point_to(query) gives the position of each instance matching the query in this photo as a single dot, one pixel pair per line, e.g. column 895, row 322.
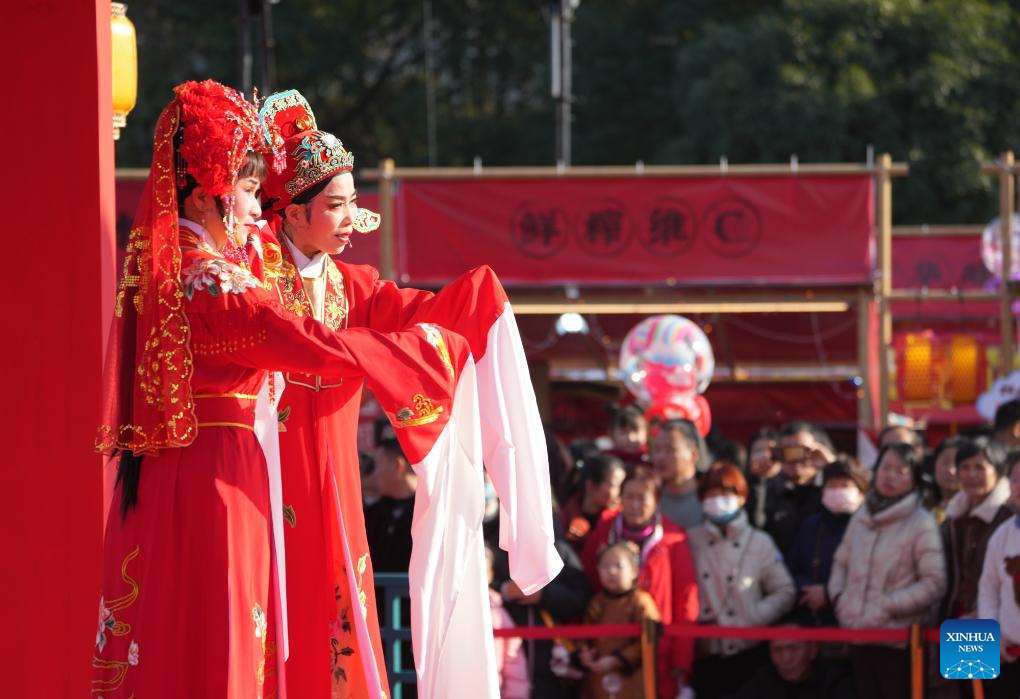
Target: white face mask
column 841, row 501
column 721, row 508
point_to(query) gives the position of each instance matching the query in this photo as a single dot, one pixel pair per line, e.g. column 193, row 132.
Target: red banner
column 720, row 230
column 938, row 262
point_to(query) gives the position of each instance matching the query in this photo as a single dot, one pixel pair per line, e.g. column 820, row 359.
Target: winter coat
column 999, row 588
column 788, row 506
column 741, row 581
column 631, row 608
column 890, row 568
column 965, row 538
column 810, row 559
column 667, row 574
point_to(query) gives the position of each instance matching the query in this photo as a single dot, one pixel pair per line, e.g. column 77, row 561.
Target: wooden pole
column 883, row 204
column 649, row 656
column 1007, row 183
column 865, row 419
column 916, row 662
column 387, row 266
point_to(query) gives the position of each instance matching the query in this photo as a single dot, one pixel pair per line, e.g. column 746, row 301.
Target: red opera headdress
column 301, row 155
column 207, row 130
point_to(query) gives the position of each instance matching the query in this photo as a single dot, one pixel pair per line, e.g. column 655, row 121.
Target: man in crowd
column 388, row 519
column 796, row 671
column 1007, row 424
column 804, row 450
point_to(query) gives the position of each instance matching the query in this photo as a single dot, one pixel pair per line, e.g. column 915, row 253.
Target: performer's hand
column 512, row 593
column 607, row 663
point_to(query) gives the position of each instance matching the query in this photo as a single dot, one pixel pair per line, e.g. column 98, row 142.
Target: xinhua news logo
column 969, row 649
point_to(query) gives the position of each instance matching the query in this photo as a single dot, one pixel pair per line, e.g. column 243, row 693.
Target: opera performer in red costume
column 334, row 644
column 187, row 604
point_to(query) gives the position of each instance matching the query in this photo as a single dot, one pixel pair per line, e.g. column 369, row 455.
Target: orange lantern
column 125, row 66
column 917, row 374
column 965, row 369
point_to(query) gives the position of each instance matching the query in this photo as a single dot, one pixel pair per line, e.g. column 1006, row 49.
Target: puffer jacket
column 890, row 568
column 965, row 536
column 741, row 581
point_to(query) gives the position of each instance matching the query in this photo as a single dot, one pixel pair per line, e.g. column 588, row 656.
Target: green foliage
column 934, row 82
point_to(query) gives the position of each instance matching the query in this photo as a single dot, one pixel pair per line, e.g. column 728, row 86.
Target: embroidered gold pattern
column 117, row 628
column 177, row 427
column 435, row 338
column 290, row 516
column 424, row 412
column 317, row 155
column 205, row 349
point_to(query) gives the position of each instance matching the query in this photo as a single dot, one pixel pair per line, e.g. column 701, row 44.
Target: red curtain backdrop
column 59, row 284
column 723, row 230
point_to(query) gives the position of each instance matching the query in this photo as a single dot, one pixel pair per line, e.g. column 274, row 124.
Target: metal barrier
column 391, row 593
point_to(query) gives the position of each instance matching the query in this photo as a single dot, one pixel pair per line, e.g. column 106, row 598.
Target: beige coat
column 742, row 581
column 890, row 568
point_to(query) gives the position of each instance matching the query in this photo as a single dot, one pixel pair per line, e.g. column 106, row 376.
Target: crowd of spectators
column 656, row 524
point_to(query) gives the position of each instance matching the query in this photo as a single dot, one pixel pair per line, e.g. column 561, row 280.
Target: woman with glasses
column 888, row 571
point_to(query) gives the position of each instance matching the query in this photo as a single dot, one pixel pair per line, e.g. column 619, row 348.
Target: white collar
column 986, row 509
column 197, row 228
column 309, row 267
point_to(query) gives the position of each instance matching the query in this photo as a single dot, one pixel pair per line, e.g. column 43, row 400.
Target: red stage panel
column 56, row 323
column 732, row 230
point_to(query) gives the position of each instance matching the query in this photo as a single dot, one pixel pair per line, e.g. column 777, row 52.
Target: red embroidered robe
column 185, row 609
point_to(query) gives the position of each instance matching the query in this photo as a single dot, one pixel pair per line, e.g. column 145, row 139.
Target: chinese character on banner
column 603, row 229
column 670, row 228
column 539, row 231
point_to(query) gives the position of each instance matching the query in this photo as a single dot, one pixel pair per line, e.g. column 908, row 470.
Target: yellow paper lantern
column 964, row 383
column 125, row 66
column 918, row 377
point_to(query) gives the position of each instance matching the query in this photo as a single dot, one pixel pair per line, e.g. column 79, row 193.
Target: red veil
column 147, row 379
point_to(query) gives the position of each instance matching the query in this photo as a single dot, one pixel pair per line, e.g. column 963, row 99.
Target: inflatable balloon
column 666, row 362
column 694, row 409
column 665, row 355
column 991, row 247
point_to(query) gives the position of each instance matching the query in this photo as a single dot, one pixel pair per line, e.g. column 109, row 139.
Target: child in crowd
column 510, row 661
column 613, row 663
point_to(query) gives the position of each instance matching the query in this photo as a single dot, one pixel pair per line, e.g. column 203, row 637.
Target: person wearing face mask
column 888, row 571
column 741, row 582
column 844, row 483
column 972, row 515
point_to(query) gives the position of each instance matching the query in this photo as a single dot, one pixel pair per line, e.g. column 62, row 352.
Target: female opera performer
column 186, row 596
column 334, row 649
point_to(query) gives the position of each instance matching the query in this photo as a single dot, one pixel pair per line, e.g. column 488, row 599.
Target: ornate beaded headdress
column 147, row 401
column 302, row 155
